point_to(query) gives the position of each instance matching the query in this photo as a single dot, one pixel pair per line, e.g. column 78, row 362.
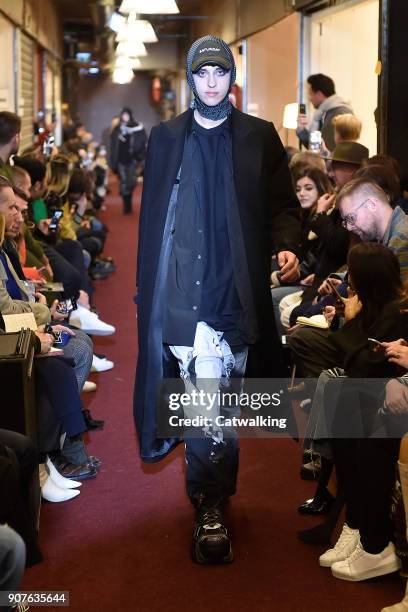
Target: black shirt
column 220, row 306
column 200, row 284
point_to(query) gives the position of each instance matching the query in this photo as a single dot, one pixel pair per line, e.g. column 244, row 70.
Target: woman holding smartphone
column 365, row 466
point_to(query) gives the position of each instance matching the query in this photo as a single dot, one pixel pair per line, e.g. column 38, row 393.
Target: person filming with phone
column 327, row 105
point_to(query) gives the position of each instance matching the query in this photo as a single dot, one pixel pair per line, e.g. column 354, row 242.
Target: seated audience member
column 13, row 295
column 19, row 504
column 80, row 346
column 40, row 250
column 12, row 559
column 383, row 174
column 366, row 211
column 365, row 467
column 385, row 177
column 89, row 231
column 346, row 127
column 346, row 160
column 64, row 256
column 311, row 184
column 306, row 158
column 392, row 168
column 60, row 423
column 14, row 300
column 33, row 259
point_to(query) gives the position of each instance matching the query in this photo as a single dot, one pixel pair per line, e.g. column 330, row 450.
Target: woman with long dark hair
column 310, row 184
column 365, row 460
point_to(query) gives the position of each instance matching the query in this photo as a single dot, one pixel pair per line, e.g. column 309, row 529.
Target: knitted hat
column 210, row 50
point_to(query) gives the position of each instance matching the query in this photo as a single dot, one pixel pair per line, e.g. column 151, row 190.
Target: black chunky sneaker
column 211, row 543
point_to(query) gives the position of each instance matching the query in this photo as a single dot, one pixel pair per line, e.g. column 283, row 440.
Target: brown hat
column 350, row 153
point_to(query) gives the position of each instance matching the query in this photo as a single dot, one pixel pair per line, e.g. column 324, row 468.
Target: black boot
column 322, row 500
column 211, row 542
column 90, row 422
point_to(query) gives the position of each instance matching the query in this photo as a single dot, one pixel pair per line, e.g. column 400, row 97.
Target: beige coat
column 9, row 306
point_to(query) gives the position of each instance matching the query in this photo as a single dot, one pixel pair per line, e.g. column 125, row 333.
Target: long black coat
column 269, row 216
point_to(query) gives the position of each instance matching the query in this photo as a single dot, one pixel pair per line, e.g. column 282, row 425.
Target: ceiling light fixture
column 132, row 48
column 124, row 61
column 136, row 29
column 116, row 21
column 122, row 75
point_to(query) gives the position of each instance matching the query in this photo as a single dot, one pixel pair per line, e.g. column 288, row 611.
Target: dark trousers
column 366, row 470
column 91, row 240
column 312, row 352
column 208, row 480
column 127, row 183
column 19, row 484
column 56, row 382
column 213, row 477
column 71, row 250
column 64, row 272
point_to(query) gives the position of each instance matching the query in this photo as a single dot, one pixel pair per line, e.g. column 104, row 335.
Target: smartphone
column 315, row 141
column 61, row 339
column 302, row 109
column 333, row 288
column 55, row 221
column 48, row 146
column 66, row 306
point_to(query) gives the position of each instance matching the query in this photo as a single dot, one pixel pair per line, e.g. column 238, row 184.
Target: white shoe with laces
column 89, row 322
column 361, row 565
column 101, row 364
column 345, row 545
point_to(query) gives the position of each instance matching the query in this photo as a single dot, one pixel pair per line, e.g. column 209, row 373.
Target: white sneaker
column 345, row 545
column 361, row 565
column 101, row 364
column 89, row 322
column 89, row 386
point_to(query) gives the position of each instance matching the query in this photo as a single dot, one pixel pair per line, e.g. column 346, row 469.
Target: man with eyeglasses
column 366, row 211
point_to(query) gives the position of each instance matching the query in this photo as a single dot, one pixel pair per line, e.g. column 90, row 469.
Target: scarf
column 329, row 104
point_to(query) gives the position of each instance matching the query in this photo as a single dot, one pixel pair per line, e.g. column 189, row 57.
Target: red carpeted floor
column 123, row 544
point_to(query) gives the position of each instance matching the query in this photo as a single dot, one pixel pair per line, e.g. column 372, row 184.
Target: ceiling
column 84, row 23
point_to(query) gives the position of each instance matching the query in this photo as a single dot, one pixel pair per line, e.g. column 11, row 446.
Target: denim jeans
column 211, row 454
